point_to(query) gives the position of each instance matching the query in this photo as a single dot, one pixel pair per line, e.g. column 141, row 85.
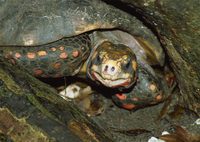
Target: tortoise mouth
column 120, row 82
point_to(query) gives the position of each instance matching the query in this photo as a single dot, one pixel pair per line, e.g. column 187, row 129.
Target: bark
column 176, row 24
column 32, row 111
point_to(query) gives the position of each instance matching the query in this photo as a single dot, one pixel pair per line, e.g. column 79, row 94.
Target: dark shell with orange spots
column 51, row 39
column 35, row 33
column 148, row 90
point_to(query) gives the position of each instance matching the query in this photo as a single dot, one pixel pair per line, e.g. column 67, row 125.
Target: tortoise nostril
column 113, row 69
column 106, row 68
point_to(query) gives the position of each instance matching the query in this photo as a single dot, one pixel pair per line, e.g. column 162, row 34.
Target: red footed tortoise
column 55, row 39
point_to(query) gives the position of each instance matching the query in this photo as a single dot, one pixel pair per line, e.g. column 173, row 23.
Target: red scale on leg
column 63, row 55
column 121, row 96
column 75, row 53
column 42, row 53
column 128, row 106
column 17, row 55
column 159, row 97
column 61, row 48
column 38, row 72
column 53, row 49
column 31, row 55
column 57, row 65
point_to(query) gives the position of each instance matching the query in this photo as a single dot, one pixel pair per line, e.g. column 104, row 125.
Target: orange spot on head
column 31, row 55
column 63, row 55
column 42, row 53
column 62, row 48
column 53, row 49
column 57, row 65
column 38, row 72
column 121, row 96
column 17, row 55
column 75, row 53
column 128, row 106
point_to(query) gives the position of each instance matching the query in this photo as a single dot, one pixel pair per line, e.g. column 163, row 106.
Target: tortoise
column 150, row 88
column 55, row 38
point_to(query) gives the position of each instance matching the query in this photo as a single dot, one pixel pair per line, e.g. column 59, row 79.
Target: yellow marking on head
column 124, row 57
column 103, row 54
column 126, row 75
column 134, row 65
column 95, row 67
column 112, row 62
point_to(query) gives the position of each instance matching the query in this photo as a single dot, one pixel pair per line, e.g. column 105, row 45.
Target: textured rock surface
column 35, row 106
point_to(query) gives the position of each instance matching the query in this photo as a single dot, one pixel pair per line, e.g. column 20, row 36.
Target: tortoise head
column 113, row 65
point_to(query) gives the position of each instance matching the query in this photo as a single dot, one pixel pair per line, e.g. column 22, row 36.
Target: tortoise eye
column 98, row 58
column 113, row 69
column 128, row 63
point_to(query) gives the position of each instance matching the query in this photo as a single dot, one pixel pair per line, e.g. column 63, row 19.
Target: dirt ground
column 141, row 125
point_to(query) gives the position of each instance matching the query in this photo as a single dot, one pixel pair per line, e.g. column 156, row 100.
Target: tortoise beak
column 122, row 82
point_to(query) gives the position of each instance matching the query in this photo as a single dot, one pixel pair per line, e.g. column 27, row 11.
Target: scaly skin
column 61, row 58
column 148, row 90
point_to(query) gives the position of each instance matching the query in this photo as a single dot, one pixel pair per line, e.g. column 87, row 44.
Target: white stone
column 71, row 92
column 197, row 122
column 154, row 139
column 165, row 133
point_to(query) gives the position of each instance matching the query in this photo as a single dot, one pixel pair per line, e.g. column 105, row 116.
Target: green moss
column 11, row 85
column 19, row 130
column 38, row 105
